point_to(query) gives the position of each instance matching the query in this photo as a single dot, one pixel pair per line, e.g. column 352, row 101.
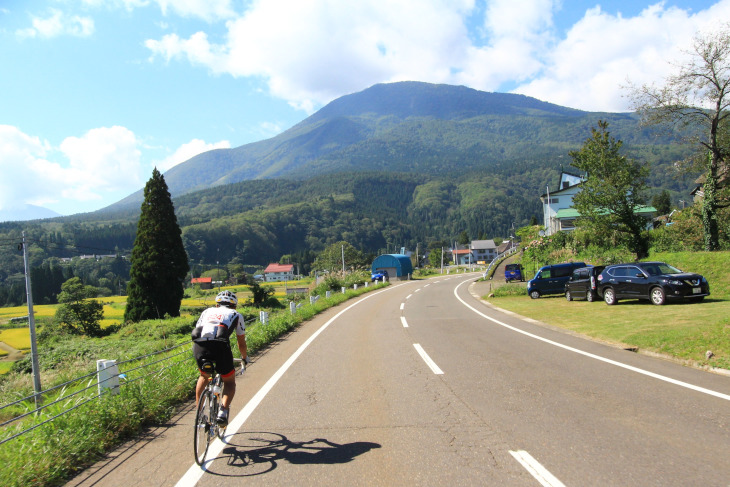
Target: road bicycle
column 206, row 427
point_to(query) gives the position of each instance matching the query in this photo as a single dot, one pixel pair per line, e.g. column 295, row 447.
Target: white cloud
column 602, row 53
column 312, row 52
column 189, row 150
column 58, row 23
column 309, row 53
column 208, row 10
column 18, row 155
column 103, row 162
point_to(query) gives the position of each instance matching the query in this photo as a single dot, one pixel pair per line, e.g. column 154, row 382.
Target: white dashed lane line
column 540, row 473
column 431, row 364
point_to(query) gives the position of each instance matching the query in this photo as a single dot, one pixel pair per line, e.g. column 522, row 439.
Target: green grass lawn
column 683, row 330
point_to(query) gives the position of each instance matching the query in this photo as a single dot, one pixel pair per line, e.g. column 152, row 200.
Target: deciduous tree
column 330, row 259
column 696, row 100
column 613, row 191
column 78, row 313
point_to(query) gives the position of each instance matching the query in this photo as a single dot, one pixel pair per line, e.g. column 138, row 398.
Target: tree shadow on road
column 256, row 453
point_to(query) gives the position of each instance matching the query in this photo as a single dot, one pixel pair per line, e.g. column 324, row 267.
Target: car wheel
column 609, row 296
column 568, row 296
column 590, row 297
column 657, row 296
column 535, row 294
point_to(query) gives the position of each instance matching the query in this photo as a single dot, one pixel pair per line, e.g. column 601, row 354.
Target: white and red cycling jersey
column 218, row 323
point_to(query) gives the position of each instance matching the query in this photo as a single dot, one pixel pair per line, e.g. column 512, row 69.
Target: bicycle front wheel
column 203, row 422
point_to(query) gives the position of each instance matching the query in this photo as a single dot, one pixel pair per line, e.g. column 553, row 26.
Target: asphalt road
column 424, row 384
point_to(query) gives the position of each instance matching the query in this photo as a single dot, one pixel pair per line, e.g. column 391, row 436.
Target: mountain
column 25, row 212
column 401, row 127
column 396, row 165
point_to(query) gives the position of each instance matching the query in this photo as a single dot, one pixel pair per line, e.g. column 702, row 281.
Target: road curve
column 422, row 383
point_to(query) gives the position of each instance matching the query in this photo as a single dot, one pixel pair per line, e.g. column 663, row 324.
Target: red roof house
column 279, row 272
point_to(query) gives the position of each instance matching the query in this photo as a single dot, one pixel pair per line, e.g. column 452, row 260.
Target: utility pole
column 31, row 323
column 343, row 259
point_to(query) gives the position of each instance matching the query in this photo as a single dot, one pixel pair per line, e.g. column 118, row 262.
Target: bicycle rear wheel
column 203, row 424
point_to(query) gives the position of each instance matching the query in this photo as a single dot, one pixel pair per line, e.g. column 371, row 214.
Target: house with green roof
column 557, row 206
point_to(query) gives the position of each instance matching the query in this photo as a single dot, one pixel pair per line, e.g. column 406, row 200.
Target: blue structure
column 397, row 265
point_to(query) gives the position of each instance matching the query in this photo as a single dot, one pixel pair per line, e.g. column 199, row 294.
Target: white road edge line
column 431, row 364
column 540, row 473
column 596, row 357
column 195, row 472
column 403, row 320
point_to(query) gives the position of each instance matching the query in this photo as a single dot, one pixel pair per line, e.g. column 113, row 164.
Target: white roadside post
column 107, row 374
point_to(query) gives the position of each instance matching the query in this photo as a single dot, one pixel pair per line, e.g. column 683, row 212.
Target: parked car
column 379, row 275
column 655, row 281
column 513, row 272
column 551, row 279
column 583, row 283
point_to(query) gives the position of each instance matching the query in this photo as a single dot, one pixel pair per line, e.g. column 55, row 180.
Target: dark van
column 551, row 279
column 513, row 272
column 583, row 284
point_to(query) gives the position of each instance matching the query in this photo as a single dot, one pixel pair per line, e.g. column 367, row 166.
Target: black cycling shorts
column 217, row 352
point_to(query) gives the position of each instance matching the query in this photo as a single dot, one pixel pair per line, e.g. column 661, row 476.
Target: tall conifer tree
column 159, row 261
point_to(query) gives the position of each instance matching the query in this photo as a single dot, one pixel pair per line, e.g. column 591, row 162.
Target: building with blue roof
column 398, row 265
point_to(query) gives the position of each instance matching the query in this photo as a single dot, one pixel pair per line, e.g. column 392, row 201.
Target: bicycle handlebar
column 242, row 363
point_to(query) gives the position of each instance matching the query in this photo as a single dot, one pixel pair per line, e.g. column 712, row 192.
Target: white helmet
column 226, row 297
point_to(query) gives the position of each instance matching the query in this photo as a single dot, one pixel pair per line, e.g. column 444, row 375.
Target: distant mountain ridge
column 25, row 213
column 404, row 126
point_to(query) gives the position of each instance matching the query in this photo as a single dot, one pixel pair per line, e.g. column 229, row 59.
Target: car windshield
column 660, row 269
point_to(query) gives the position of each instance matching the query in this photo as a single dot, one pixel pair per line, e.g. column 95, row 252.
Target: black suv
column 583, row 283
column 655, row 281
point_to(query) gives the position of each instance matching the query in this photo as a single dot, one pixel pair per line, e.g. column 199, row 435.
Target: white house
column 279, row 272
column 558, row 211
column 559, row 199
column 483, row 251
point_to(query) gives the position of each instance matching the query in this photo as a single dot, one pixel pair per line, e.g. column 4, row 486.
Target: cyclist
column 211, row 343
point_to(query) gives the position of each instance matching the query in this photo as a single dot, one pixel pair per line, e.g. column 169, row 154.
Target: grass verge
column 682, row 330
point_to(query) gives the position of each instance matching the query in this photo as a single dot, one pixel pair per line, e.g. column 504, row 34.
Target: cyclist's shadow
column 258, row 452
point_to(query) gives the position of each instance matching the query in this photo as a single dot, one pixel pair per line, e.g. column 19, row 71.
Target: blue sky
column 95, row 93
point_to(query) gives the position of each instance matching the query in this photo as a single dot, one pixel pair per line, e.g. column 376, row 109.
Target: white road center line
column 403, row 320
column 409, row 296
column 195, row 472
column 431, row 364
column 540, row 473
column 593, row 356
column 402, row 305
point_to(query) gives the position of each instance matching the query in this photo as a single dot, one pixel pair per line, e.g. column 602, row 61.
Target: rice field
column 18, row 338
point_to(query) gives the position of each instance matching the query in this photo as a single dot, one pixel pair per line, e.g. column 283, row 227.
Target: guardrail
column 498, row 260
column 95, row 381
